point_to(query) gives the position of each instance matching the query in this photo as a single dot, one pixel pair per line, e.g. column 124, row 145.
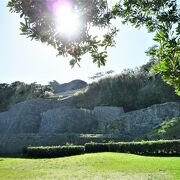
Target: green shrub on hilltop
column 132, row 89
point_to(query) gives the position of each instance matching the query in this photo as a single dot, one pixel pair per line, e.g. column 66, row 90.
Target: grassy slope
column 98, row 166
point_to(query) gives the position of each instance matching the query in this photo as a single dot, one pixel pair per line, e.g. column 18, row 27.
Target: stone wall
column 108, row 113
column 25, row 117
column 137, row 123
column 68, row 120
column 73, row 120
column 53, row 116
column 46, row 118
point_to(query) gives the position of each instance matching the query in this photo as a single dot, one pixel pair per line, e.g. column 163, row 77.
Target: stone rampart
column 108, row 113
column 139, row 122
column 40, row 122
column 68, row 120
column 25, row 117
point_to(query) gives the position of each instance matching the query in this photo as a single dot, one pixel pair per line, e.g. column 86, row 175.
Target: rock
column 73, row 85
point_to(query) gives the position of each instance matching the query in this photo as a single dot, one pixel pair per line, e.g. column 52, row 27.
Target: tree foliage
column 160, row 17
column 18, row 91
column 40, row 24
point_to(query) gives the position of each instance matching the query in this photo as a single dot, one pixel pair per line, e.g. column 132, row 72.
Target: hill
column 132, row 90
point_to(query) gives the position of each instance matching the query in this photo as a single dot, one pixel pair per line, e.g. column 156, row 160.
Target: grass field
column 97, row 166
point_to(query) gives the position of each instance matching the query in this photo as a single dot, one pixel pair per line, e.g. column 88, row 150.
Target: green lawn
column 97, row 166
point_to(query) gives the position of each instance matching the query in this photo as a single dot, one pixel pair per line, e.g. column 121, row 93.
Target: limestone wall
column 68, row 120
column 52, row 116
column 137, row 123
column 108, row 113
column 25, row 117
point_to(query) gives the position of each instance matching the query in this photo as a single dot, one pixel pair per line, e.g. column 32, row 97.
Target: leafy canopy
column 161, row 17
column 40, row 24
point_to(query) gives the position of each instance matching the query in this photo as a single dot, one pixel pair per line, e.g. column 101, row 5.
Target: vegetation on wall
column 132, row 89
column 18, row 91
column 166, row 130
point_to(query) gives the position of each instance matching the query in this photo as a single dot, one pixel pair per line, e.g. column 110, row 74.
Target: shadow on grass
column 24, row 156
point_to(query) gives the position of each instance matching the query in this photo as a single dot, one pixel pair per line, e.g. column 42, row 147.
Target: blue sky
column 30, row 61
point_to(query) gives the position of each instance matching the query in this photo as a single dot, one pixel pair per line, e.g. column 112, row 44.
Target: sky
column 31, row 61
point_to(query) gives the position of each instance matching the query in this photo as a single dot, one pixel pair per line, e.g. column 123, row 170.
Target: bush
column 163, row 147
column 54, row 151
column 16, row 92
column 132, row 89
column 96, row 147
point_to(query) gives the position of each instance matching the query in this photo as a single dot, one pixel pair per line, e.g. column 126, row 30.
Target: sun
column 67, row 21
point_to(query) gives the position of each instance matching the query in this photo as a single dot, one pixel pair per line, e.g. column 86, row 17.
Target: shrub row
column 163, row 147
column 54, row 151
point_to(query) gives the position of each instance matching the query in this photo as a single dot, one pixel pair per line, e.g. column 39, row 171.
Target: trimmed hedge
column 162, row 147
column 54, row 151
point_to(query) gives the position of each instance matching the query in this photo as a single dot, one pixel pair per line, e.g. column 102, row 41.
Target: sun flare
column 67, row 21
